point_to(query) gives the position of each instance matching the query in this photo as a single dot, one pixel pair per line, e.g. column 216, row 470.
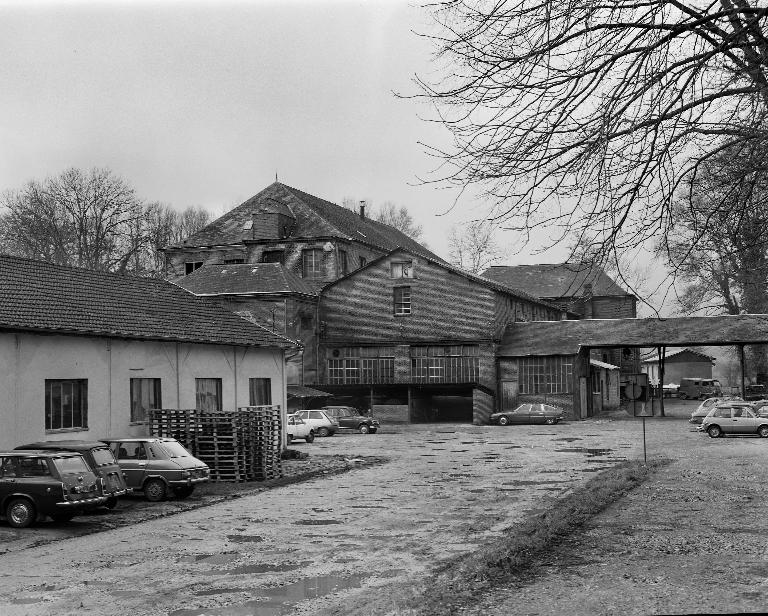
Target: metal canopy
column 568, row 337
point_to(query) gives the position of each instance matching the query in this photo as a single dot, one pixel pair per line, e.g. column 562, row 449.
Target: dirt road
column 306, row 548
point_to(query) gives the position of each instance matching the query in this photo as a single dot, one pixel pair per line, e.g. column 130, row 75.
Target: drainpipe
column 178, row 377
column 109, row 387
column 234, row 370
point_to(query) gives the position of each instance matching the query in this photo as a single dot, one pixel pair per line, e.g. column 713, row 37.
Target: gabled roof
column 567, row 337
column 491, row 284
column 38, row 296
column 315, row 218
column 555, row 280
column 653, row 356
column 244, row 278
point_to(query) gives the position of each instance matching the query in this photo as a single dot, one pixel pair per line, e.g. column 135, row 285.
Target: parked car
column 760, row 408
column 36, row 483
column 350, row 418
column 157, row 465
column 699, row 388
column 728, row 418
column 319, row 421
column 99, row 458
column 298, row 428
column 706, row 406
column 529, row 414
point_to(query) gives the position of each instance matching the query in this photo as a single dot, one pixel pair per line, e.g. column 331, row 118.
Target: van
column 699, row 388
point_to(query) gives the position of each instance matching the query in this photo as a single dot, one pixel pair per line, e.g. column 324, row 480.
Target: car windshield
column 74, row 464
column 102, row 456
column 175, row 449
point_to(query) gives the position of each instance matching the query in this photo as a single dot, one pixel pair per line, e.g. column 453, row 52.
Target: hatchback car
column 99, row 458
column 319, row 421
column 349, row 418
column 158, row 466
column 529, row 414
column 298, row 428
column 36, row 483
column 707, row 405
column 726, row 419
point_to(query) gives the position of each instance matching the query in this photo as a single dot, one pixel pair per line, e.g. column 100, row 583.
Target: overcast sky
column 202, row 103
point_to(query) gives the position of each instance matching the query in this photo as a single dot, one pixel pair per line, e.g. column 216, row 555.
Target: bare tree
column 585, row 116
column 92, row 219
column 473, row 247
column 390, row 214
column 87, row 219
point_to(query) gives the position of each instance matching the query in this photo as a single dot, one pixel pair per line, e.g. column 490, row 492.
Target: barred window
column 546, row 375
column 355, row 365
column 66, row 404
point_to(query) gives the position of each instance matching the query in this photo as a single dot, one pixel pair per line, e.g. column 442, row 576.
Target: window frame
column 317, row 270
column 217, row 382
column 401, row 308
column 259, row 385
column 156, row 389
column 405, row 267
column 82, row 411
column 191, row 266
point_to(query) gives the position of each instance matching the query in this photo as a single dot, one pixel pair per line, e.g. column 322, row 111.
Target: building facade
column 86, row 354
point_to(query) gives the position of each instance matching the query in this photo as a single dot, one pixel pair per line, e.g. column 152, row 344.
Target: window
column 273, row 256
column 445, row 364
column 402, row 300
column 362, row 261
column 191, row 266
column 402, row 269
column 228, row 261
column 260, row 391
column 343, row 261
column 208, row 394
column 66, row 404
column 550, row 375
column 312, row 263
column 361, row 365
column 145, row 395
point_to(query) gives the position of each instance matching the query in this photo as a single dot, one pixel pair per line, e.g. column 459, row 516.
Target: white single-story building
column 85, row 354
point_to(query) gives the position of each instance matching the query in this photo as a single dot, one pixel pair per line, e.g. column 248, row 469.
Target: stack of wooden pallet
column 242, row 445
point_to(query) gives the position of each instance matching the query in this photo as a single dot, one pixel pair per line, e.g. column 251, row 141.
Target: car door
column 537, row 414
column 347, row 419
column 747, row 423
column 521, row 415
column 7, row 478
column 132, row 459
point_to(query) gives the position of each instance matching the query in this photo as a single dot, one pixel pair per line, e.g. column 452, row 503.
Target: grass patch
column 457, row 582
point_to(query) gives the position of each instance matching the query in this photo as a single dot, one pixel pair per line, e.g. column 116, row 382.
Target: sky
column 205, row 103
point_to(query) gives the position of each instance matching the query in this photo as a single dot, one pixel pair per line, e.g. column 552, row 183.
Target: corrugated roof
column 314, row 218
column 567, row 337
column 38, row 296
column 653, row 356
column 602, row 364
column 301, row 391
column 244, row 278
column 555, row 280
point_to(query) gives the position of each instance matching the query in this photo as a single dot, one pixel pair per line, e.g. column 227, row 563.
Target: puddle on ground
column 245, row 538
column 523, row 482
column 568, row 439
column 367, row 507
column 27, row 600
column 265, row 568
column 587, row 450
column 514, row 447
column 210, row 559
column 278, row 600
column 314, row 522
column 219, row 591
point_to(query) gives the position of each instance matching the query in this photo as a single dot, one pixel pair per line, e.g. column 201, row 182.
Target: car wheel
column 20, row 513
column 62, row 517
column 111, row 502
column 763, row 431
column 503, row 421
column 364, row 429
column 155, row 490
column 714, row 431
column 310, row 437
column 549, row 421
column 183, row 491
column 323, row 432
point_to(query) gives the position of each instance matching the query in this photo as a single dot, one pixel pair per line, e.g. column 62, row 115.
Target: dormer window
column 191, row 266
column 402, row 269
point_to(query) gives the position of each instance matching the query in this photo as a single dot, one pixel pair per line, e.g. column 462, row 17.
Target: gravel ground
column 328, row 544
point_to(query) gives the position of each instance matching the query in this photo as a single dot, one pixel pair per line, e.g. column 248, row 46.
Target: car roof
column 140, row 439
column 41, row 453
column 55, row 445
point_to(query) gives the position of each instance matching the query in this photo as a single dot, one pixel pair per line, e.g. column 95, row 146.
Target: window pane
column 66, row 404
column 260, row 392
column 312, row 263
column 402, row 300
column 208, row 394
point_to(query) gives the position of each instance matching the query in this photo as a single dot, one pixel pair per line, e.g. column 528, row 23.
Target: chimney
column 362, row 209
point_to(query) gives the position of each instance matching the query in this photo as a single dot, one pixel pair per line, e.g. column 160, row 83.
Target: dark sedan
column 529, row 414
